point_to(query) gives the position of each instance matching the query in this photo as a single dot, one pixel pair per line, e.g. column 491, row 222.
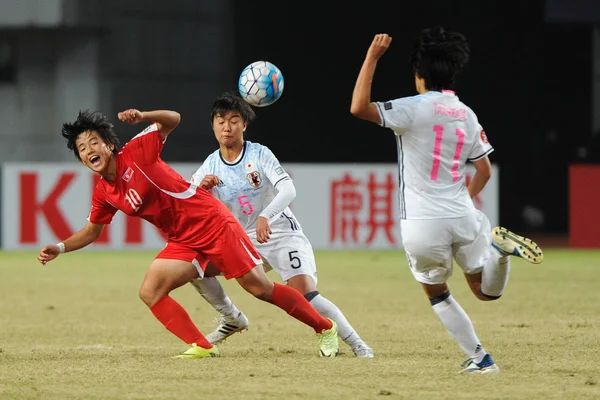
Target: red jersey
column 146, row 187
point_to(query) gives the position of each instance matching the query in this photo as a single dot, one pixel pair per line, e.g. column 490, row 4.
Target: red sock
column 291, row 301
column 174, row 317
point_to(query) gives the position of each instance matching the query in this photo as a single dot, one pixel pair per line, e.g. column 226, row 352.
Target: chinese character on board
column 359, row 206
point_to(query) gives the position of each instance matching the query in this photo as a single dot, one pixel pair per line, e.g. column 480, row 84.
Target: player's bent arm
column 483, row 173
column 286, row 193
column 361, row 106
column 165, row 119
column 84, row 237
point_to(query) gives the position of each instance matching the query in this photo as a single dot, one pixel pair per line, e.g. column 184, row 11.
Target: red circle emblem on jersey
column 483, row 136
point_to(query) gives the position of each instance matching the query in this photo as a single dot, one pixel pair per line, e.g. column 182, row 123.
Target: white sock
column 213, row 293
column 459, row 326
column 329, row 310
column 494, row 277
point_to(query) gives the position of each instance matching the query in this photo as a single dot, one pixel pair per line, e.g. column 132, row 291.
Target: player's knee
column 150, row 295
column 257, row 284
column 305, row 284
column 146, row 296
column 259, row 288
column 262, row 293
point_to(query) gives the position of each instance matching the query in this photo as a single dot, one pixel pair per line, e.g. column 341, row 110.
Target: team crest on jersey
column 127, row 175
column 254, row 178
column 483, row 137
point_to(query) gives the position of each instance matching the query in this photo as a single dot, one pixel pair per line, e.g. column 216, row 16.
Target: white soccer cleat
column 486, row 366
column 362, row 350
column 511, row 244
column 228, row 325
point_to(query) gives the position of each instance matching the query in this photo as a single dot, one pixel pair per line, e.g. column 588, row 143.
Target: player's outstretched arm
column 78, row 240
column 361, row 106
column 165, row 119
column 483, row 173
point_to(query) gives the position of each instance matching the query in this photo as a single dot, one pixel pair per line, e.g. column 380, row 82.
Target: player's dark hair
column 90, row 121
column 438, row 56
column 232, row 102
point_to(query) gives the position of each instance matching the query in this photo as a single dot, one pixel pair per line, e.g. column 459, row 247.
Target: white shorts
column 431, row 244
column 289, row 254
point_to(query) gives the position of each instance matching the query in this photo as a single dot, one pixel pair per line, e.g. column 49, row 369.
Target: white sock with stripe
column 210, row 288
column 329, row 310
column 458, row 324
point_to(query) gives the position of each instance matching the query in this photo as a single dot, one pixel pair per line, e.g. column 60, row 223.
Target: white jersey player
column 249, row 180
column 248, row 186
column 437, row 135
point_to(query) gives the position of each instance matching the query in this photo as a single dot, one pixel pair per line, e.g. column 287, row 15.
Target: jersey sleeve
column 102, row 211
column 397, row 114
column 272, row 168
column 146, row 146
column 200, row 173
column 481, row 146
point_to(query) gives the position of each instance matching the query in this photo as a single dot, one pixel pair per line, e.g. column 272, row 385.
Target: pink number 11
column 437, row 150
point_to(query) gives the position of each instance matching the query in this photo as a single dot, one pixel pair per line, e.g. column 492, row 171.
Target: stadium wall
column 340, row 206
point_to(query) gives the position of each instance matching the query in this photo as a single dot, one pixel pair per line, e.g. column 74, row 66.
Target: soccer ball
column 261, row 83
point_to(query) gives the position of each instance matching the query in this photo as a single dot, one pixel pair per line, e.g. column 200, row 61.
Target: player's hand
column 131, row 116
column 263, row 230
column 379, row 46
column 209, row 181
column 48, row 253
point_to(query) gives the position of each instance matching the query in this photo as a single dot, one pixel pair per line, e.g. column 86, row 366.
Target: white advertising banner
column 355, row 206
column 340, row 206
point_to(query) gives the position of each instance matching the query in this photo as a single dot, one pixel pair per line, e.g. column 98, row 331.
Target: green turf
column 75, row 329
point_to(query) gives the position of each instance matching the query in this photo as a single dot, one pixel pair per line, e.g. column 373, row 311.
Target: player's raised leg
column 486, row 270
column 497, row 266
column 490, row 283
column 162, row 277
column 231, row 320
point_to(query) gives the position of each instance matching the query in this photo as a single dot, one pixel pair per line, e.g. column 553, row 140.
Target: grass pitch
column 75, row 329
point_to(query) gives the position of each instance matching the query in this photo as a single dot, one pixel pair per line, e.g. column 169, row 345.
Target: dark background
column 529, row 81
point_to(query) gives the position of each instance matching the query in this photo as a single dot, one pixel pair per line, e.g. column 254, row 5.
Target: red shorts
column 232, row 252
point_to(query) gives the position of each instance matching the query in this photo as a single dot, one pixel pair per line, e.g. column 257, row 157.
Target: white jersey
column 248, row 185
column 436, row 135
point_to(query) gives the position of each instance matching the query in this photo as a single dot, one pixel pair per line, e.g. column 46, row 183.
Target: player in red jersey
column 200, row 228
